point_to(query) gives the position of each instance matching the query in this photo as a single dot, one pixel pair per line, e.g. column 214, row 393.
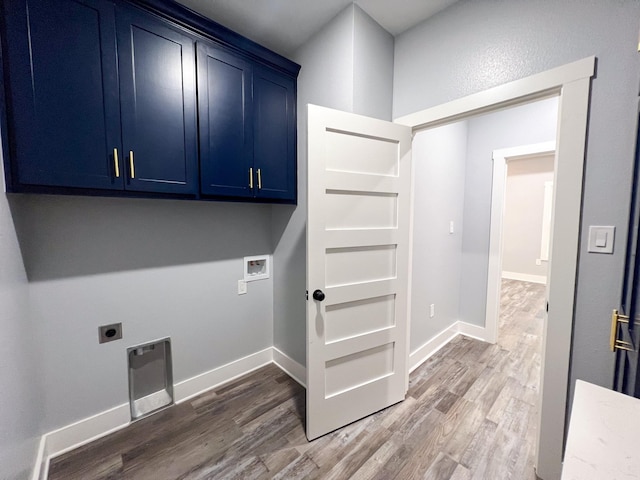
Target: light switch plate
column 242, row 287
column 601, row 239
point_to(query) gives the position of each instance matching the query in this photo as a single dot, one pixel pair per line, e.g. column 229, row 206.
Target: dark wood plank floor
column 470, row 414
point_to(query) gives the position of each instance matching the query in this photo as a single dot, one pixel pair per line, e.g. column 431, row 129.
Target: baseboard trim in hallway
column 428, row 349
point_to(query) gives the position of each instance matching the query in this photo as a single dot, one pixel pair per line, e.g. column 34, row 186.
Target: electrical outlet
column 242, row 287
column 432, row 310
column 109, row 333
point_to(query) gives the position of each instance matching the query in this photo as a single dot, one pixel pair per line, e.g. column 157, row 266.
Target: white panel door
column 357, row 267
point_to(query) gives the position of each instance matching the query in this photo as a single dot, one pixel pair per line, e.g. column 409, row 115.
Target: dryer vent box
column 256, row 268
column 150, row 377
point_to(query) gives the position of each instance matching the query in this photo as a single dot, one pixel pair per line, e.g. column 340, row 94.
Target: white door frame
column 494, row 276
column 572, row 83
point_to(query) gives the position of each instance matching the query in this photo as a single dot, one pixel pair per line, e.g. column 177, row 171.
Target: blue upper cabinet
column 158, row 104
column 275, row 135
column 62, row 93
column 226, row 130
column 247, row 118
column 107, row 97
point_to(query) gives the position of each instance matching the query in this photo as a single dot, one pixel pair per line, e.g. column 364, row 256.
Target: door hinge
column 614, row 342
column 307, row 294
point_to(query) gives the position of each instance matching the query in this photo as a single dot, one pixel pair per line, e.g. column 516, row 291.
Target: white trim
column 572, row 82
column 563, row 274
column 288, row 365
column 547, row 209
column 65, row 439
column 199, row 384
column 543, row 84
column 427, row 350
column 40, row 468
column 473, row 331
column 421, row 354
column 498, row 191
column 524, row 277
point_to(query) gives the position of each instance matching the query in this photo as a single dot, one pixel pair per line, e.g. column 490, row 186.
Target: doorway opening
column 571, row 83
column 521, row 220
column 455, row 190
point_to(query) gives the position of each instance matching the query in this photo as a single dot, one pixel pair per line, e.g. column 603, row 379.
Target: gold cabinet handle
column 259, row 180
column 251, row 177
column 115, row 162
column 131, row 165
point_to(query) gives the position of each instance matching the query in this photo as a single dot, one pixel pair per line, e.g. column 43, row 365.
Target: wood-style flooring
column 470, row 414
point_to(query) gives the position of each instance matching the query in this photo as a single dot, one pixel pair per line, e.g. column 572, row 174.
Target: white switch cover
column 601, row 239
column 451, row 226
column 432, row 310
column 242, row 287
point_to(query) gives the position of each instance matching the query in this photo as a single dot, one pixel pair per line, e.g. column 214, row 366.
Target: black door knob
column 318, row 295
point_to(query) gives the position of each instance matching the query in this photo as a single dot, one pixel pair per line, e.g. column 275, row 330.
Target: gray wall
column 527, row 124
column 523, row 212
column 439, row 157
column 161, row 267
column 336, row 62
column 325, row 79
column 20, row 379
column 476, row 44
column 373, row 67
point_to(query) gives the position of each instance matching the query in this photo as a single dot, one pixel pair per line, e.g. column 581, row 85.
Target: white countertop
column 604, row 435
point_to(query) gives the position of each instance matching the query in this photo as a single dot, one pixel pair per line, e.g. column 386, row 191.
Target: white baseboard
column 419, row 356
column 525, row 277
column 473, row 331
column 194, row 386
column 65, row 439
column 292, row 368
column 423, row 353
column 72, row 436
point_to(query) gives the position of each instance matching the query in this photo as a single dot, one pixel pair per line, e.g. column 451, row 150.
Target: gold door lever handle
column 614, row 343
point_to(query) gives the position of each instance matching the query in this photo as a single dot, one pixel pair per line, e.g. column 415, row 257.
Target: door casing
column 494, row 276
column 572, row 83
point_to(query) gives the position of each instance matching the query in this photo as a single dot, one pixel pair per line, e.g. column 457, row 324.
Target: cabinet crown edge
column 219, row 33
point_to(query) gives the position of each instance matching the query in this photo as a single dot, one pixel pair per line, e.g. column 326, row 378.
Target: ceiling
column 284, row 25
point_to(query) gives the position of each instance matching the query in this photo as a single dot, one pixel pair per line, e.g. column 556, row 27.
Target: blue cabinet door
column 62, row 95
column 275, row 134
column 225, row 112
column 158, row 102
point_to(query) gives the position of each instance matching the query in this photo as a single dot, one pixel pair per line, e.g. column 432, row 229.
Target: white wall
column 21, row 408
column 527, row 124
column 523, row 211
column 477, row 44
column 439, row 157
column 336, row 62
column 161, row 267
